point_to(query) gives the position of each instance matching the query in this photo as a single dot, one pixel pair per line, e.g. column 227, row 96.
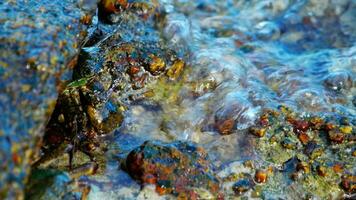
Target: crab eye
column 118, row 6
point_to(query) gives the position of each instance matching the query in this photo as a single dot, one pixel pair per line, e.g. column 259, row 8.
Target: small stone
column 346, row 129
column 94, row 116
column 329, row 126
column 86, row 19
column 225, row 127
column 288, row 143
column 321, row 170
column 259, row 132
column 348, row 183
column 257, row 192
column 157, row 65
column 264, row 121
column 273, row 139
column 316, row 123
column 242, row 186
column 295, row 176
column 338, row 81
column 303, row 166
column 338, row 168
column 111, row 6
column 261, row 176
column 313, row 150
column 25, row 87
column 300, row 126
column 336, row 136
column 176, row 69
column 249, row 164
column 133, row 70
column 304, row 138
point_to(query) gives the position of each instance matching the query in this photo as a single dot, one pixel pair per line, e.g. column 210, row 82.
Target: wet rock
column 303, row 166
column 321, row 170
column 174, row 168
column 291, row 165
column 299, row 126
column 38, row 42
column 346, row 129
column 225, row 127
column 243, row 185
column 257, row 131
column 288, row 143
column 176, row 69
column 348, row 183
column 261, row 176
column 304, row 138
column 313, row 150
column 267, row 30
column 338, row 81
column 109, row 9
column 234, row 113
column 52, row 184
column 336, row 136
column 310, row 151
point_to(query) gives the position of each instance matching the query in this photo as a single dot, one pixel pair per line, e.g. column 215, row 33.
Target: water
column 248, row 55
column 242, row 57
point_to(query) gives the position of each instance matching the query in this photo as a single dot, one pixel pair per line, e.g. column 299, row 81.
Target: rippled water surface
column 241, row 58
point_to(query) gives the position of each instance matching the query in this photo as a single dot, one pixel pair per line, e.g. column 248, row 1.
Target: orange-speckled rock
column 175, row 168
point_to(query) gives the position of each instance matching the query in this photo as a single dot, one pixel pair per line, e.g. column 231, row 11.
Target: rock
column 258, row 131
column 321, row 170
column 288, row 143
column 38, row 41
column 175, row 168
column 337, row 81
column 348, row 183
column 108, row 9
column 336, row 136
column 312, row 150
column 261, row 176
column 243, row 185
column 303, row 166
column 267, row 30
column 235, row 113
column 51, row 184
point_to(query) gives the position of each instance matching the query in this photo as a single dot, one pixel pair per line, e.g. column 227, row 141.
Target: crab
column 111, row 71
column 81, row 117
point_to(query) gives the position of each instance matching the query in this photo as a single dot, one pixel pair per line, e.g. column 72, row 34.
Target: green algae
column 79, row 82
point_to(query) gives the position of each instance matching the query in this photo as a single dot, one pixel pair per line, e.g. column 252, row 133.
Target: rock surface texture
column 38, row 39
column 179, row 168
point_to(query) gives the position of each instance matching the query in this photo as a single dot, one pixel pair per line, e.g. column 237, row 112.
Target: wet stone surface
column 243, row 185
column 38, row 40
column 192, row 79
column 311, row 151
column 179, row 168
column 58, row 185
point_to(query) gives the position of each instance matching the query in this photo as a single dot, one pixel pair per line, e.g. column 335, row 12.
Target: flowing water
column 241, row 58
